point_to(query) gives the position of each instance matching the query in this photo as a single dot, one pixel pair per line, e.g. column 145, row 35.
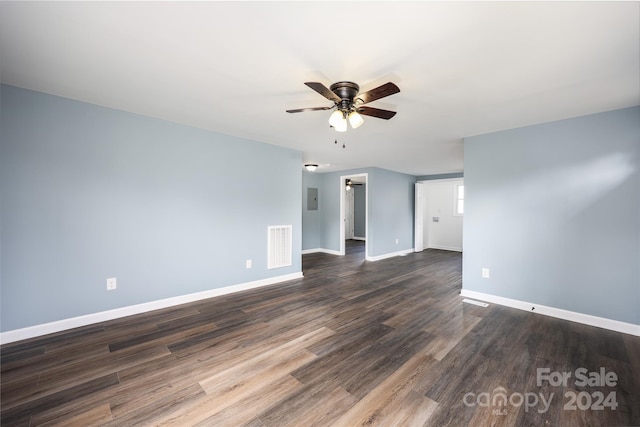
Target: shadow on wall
column 567, row 190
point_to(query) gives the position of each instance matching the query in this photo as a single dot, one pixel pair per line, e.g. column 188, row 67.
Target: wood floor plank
column 374, row 370
column 381, row 401
column 325, row 411
column 229, row 388
column 15, row 392
column 82, row 333
column 67, row 376
column 58, row 380
column 158, row 408
column 267, row 358
column 137, row 394
column 414, row 410
column 42, row 363
column 100, row 338
column 462, row 373
column 203, row 342
column 164, row 336
column 25, row 410
column 207, row 412
column 448, row 337
column 294, row 408
column 19, row 353
column 97, row 416
column 354, row 339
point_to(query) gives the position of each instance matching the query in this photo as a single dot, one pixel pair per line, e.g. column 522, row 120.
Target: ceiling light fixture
column 349, row 184
column 355, row 119
column 348, row 103
column 311, row 167
column 342, row 126
column 338, row 120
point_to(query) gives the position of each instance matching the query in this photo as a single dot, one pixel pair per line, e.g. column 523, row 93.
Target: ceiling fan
column 350, row 184
column 349, row 103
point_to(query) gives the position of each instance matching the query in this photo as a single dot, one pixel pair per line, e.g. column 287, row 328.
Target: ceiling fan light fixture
column 349, row 185
column 349, row 103
column 336, row 118
column 311, row 167
column 355, row 119
column 341, row 126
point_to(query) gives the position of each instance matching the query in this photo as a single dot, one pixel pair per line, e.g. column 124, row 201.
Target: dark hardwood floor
column 353, row 343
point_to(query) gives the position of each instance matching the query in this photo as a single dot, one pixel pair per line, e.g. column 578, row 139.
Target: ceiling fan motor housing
column 347, row 91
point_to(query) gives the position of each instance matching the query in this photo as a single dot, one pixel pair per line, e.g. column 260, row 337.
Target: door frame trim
column 342, row 218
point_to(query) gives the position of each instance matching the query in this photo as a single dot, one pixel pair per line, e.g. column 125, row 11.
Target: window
column 459, row 208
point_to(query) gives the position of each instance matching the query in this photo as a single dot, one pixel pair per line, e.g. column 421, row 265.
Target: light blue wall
column 391, row 205
column 391, row 210
column 90, row 193
column 440, row 176
column 553, row 211
column 312, row 220
column 359, row 210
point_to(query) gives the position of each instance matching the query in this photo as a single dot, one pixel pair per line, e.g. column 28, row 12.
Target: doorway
column 439, row 214
column 354, row 214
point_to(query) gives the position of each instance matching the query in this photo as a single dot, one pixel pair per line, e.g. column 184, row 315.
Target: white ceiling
column 235, row 67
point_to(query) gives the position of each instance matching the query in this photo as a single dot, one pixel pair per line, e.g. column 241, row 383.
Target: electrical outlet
column 485, row 273
column 248, row 263
column 396, row 240
column 111, row 283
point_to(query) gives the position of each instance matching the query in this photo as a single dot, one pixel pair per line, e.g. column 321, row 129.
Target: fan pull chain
column 335, row 141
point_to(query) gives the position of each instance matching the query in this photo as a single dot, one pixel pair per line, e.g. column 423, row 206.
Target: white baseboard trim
column 359, row 238
column 587, row 319
column 389, row 255
column 320, row 250
column 103, row 316
column 444, row 248
column 368, row 258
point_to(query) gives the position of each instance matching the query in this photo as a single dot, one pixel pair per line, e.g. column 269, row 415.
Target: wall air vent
column 279, row 246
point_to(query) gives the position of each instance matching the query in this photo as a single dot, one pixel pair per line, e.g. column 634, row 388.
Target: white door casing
column 364, row 177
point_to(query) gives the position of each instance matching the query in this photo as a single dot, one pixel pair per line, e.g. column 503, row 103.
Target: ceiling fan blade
column 379, row 92
column 300, row 110
column 376, row 112
column 324, row 91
